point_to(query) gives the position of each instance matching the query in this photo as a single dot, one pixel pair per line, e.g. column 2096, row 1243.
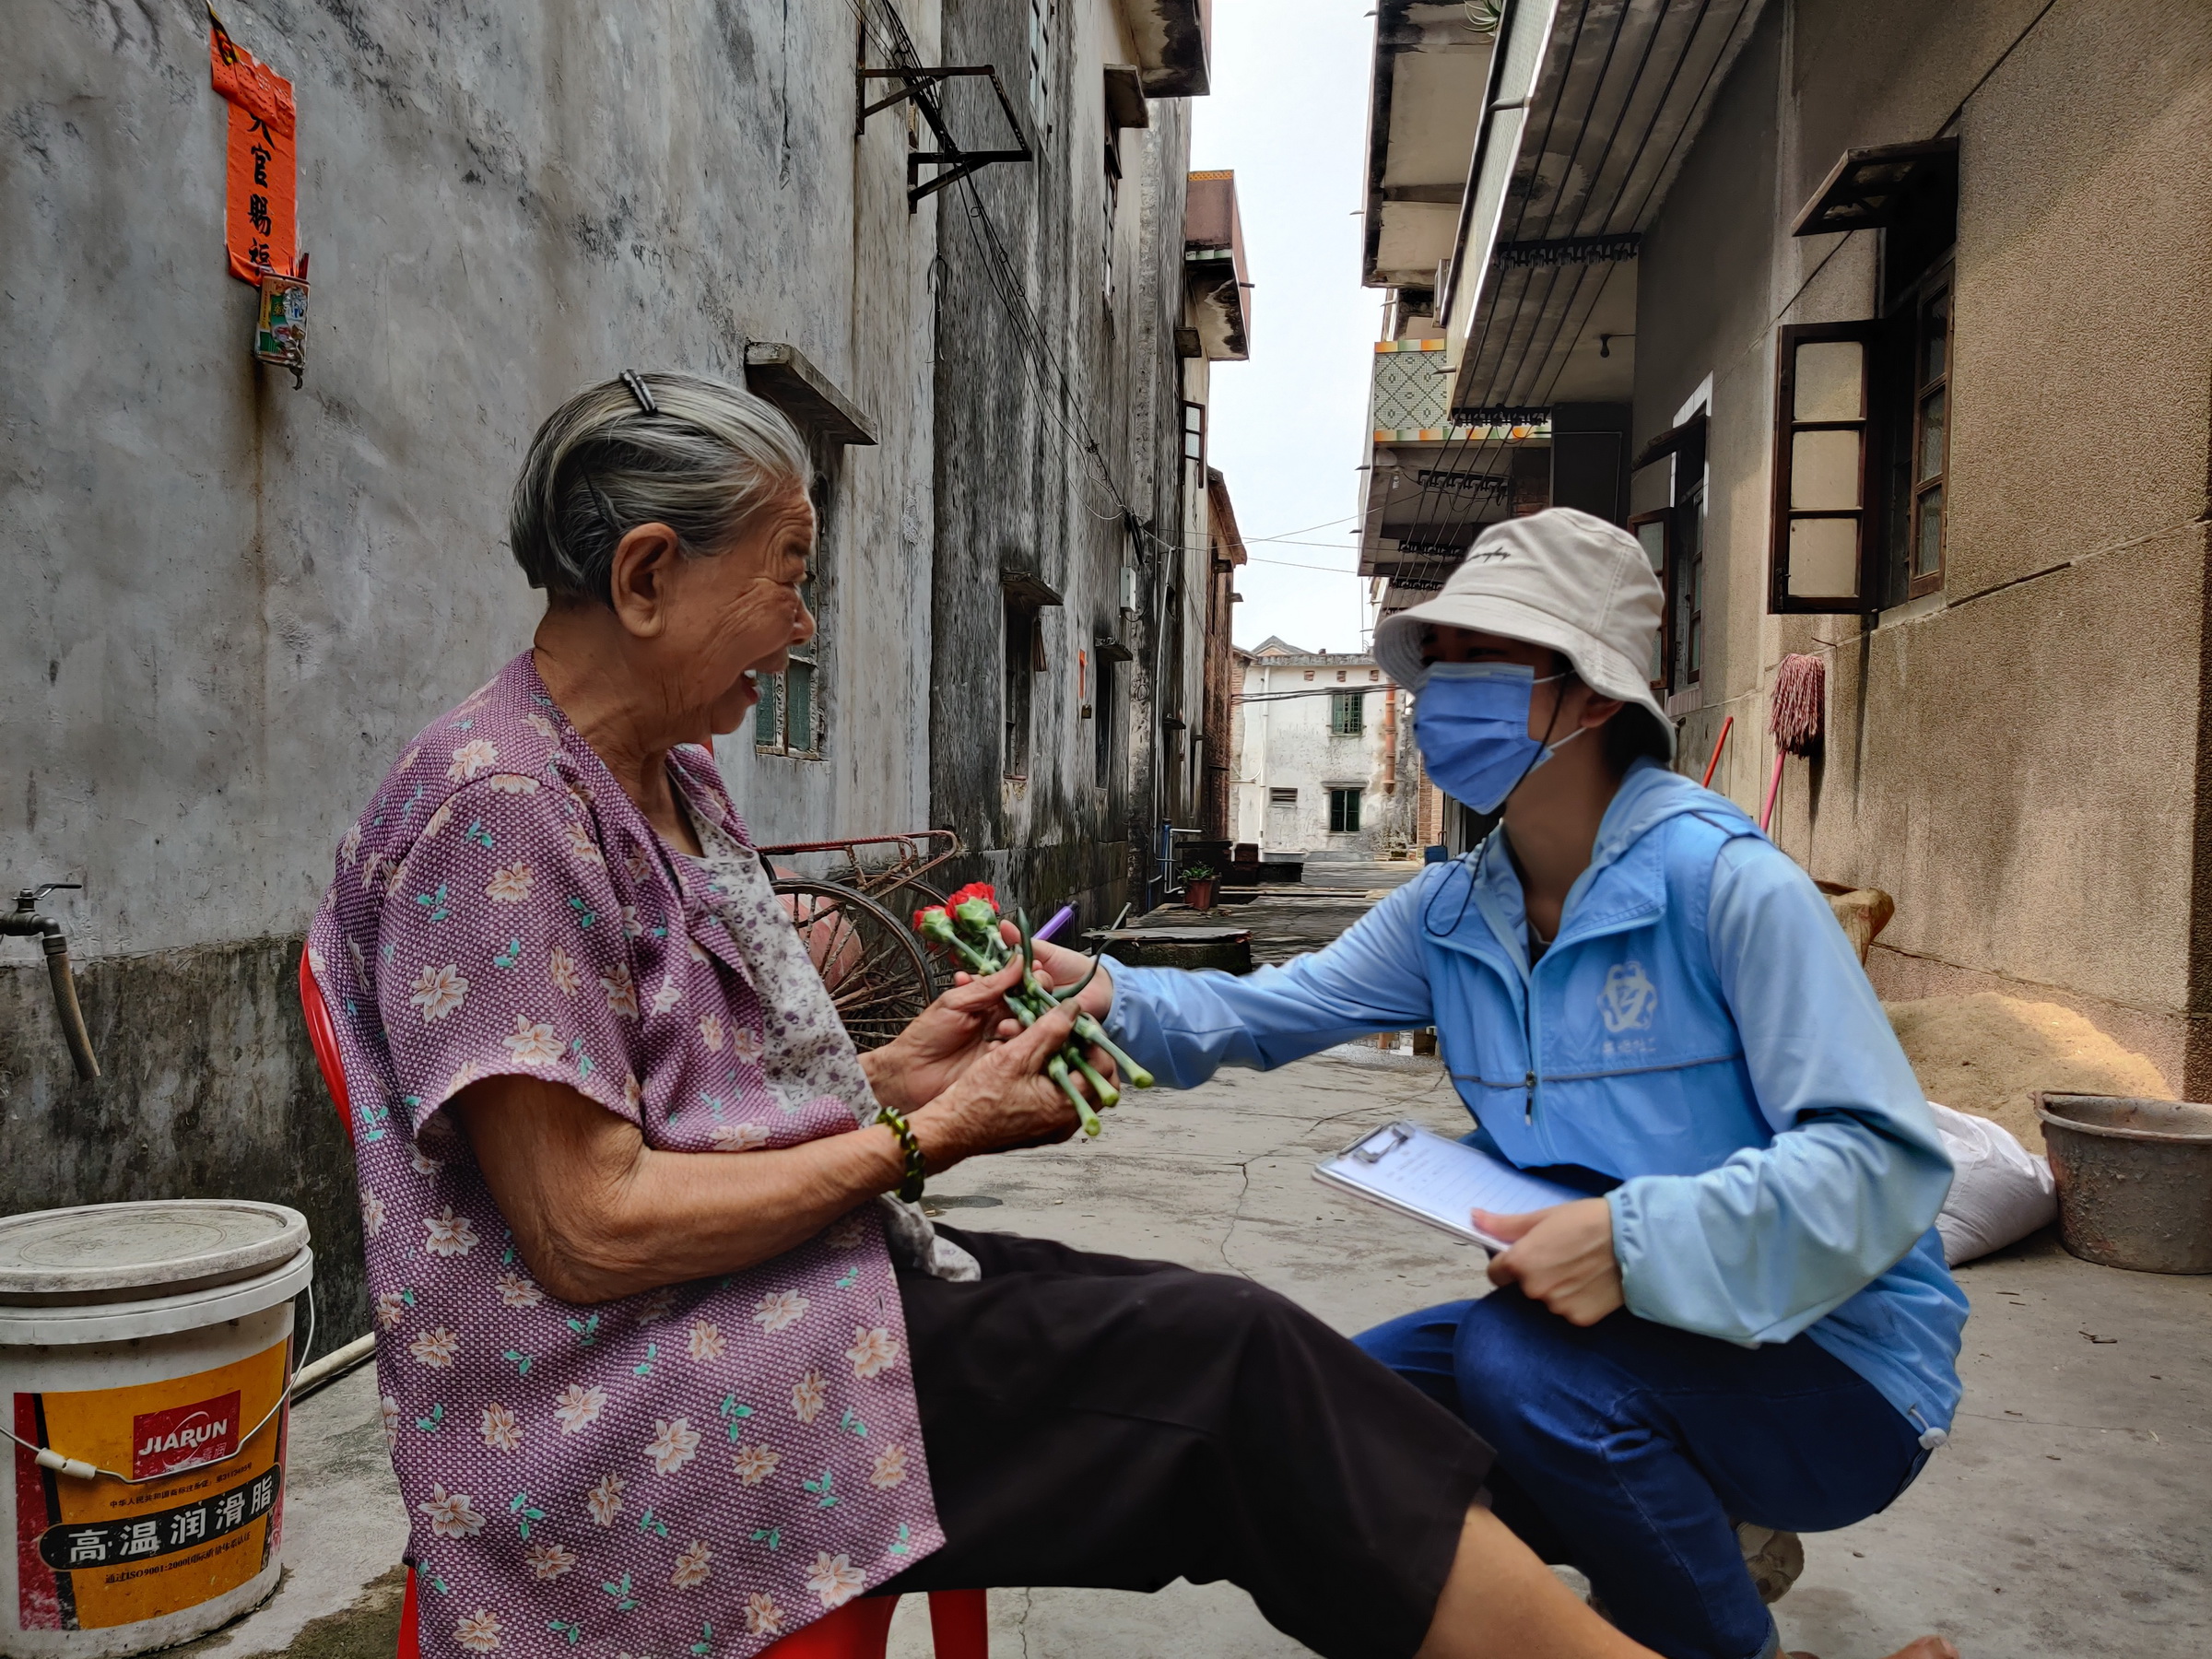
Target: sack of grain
column 2000, row 1191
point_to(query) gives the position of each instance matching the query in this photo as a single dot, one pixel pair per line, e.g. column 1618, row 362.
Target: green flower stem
column 1108, row 1095
column 989, row 953
column 1056, row 1069
column 975, row 958
column 1092, row 1032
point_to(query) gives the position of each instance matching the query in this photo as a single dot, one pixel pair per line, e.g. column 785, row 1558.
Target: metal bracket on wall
column 953, row 162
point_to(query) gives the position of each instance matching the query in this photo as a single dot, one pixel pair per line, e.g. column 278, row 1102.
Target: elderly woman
column 665, row 1368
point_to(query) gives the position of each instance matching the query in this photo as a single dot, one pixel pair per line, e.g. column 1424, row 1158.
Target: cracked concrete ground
column 2066, row 1516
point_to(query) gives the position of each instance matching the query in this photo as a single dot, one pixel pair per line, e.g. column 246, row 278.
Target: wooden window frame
column 1681, row 578
column 1686, row 556
column 1110, row 207
column 1941, row 282
column 1348, row 713
column 1867, row 334
column 1665, row 518
column 1021, row 660
column 1041, row 63
column 1193, row 427
column 1687, row 602
column 1345, row 802
column 1104, row 735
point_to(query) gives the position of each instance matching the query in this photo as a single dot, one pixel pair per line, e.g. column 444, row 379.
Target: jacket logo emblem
column 1628, row 1000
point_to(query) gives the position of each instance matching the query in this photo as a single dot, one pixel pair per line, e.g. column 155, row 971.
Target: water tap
column 25, row 921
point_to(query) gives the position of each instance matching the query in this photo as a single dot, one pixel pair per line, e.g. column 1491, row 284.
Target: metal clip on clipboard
column 1391, row 1137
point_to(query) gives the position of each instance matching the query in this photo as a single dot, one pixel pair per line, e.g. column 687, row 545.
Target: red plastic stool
column 958, row 1627
column 959, row 1620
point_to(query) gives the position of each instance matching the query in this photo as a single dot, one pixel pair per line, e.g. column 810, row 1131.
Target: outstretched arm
column 1183, row 1026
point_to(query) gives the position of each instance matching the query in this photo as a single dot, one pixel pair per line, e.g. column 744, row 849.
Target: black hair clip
column 636, row 384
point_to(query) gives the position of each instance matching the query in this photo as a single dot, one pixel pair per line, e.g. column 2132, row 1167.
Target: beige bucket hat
column 1560, row 578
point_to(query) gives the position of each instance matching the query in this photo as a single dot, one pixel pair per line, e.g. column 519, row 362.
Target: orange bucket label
column 94, row 1553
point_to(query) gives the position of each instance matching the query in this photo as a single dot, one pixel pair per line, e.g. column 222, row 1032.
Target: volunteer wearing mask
column 1636, row 994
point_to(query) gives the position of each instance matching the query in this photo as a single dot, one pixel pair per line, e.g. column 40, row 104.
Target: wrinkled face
column 738, row 614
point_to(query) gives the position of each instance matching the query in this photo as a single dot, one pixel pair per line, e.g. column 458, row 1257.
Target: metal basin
column 2134, row 1180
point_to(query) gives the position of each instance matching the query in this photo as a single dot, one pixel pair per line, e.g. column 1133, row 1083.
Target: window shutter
column 1826, row 538
column 1655, row 531
column 1194, row 432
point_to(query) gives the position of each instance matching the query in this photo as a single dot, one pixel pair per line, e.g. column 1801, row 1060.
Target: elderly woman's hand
column 948, row 1036
column 1001, row 1100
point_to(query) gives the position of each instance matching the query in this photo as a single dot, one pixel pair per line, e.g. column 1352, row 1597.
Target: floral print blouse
column 695, row 1471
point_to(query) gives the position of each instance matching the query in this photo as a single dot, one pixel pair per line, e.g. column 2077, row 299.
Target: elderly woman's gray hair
column 701, row 461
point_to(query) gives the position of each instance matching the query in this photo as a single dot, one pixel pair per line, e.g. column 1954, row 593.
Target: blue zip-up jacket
column 1700, row 1031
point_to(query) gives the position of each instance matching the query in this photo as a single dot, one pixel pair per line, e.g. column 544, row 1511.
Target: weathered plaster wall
column 1184, row 573
column 873, row 585
column 1016, row 489
column 232, row 600
column 2020, row 765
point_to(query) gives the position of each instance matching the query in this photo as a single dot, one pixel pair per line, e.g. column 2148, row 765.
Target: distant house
column 1317, row 746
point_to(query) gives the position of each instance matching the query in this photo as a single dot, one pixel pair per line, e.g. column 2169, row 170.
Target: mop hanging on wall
column 1793, row 715
column 261, row 206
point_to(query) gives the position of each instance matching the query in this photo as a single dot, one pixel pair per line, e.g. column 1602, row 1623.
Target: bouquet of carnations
column 967, row 924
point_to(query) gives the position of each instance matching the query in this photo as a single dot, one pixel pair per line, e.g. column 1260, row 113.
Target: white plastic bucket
column 153, row 1343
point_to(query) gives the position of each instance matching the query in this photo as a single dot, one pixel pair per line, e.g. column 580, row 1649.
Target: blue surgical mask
column 1471, row 721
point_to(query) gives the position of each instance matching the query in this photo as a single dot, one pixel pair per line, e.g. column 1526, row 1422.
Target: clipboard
column 1418, row 1172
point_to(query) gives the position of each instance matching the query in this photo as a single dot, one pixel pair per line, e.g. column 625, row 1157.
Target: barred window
column 787, row 720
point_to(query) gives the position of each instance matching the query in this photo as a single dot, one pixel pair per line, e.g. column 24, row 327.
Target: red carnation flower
column 974, row 889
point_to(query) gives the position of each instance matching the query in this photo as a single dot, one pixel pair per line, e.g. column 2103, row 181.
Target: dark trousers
column 1630, row 1448
column 1093, row 1421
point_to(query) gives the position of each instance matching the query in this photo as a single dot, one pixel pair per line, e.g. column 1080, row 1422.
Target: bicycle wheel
column 869, row 960
column 903, row 897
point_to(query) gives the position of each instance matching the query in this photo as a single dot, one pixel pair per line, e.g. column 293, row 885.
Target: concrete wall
column 1017, row 484
column 1288, row 744
column 873, row 585
column 232, row 600
column 2020, row 759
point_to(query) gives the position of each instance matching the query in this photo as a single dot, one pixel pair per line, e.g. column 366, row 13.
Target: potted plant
column 1198, row 881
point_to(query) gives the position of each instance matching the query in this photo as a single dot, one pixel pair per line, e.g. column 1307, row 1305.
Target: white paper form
column 1420, row 1173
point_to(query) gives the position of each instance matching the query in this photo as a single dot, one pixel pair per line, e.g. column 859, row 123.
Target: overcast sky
column 1288, row 112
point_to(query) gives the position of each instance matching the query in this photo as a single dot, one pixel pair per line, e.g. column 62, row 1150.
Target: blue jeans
column 1628, row 1449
